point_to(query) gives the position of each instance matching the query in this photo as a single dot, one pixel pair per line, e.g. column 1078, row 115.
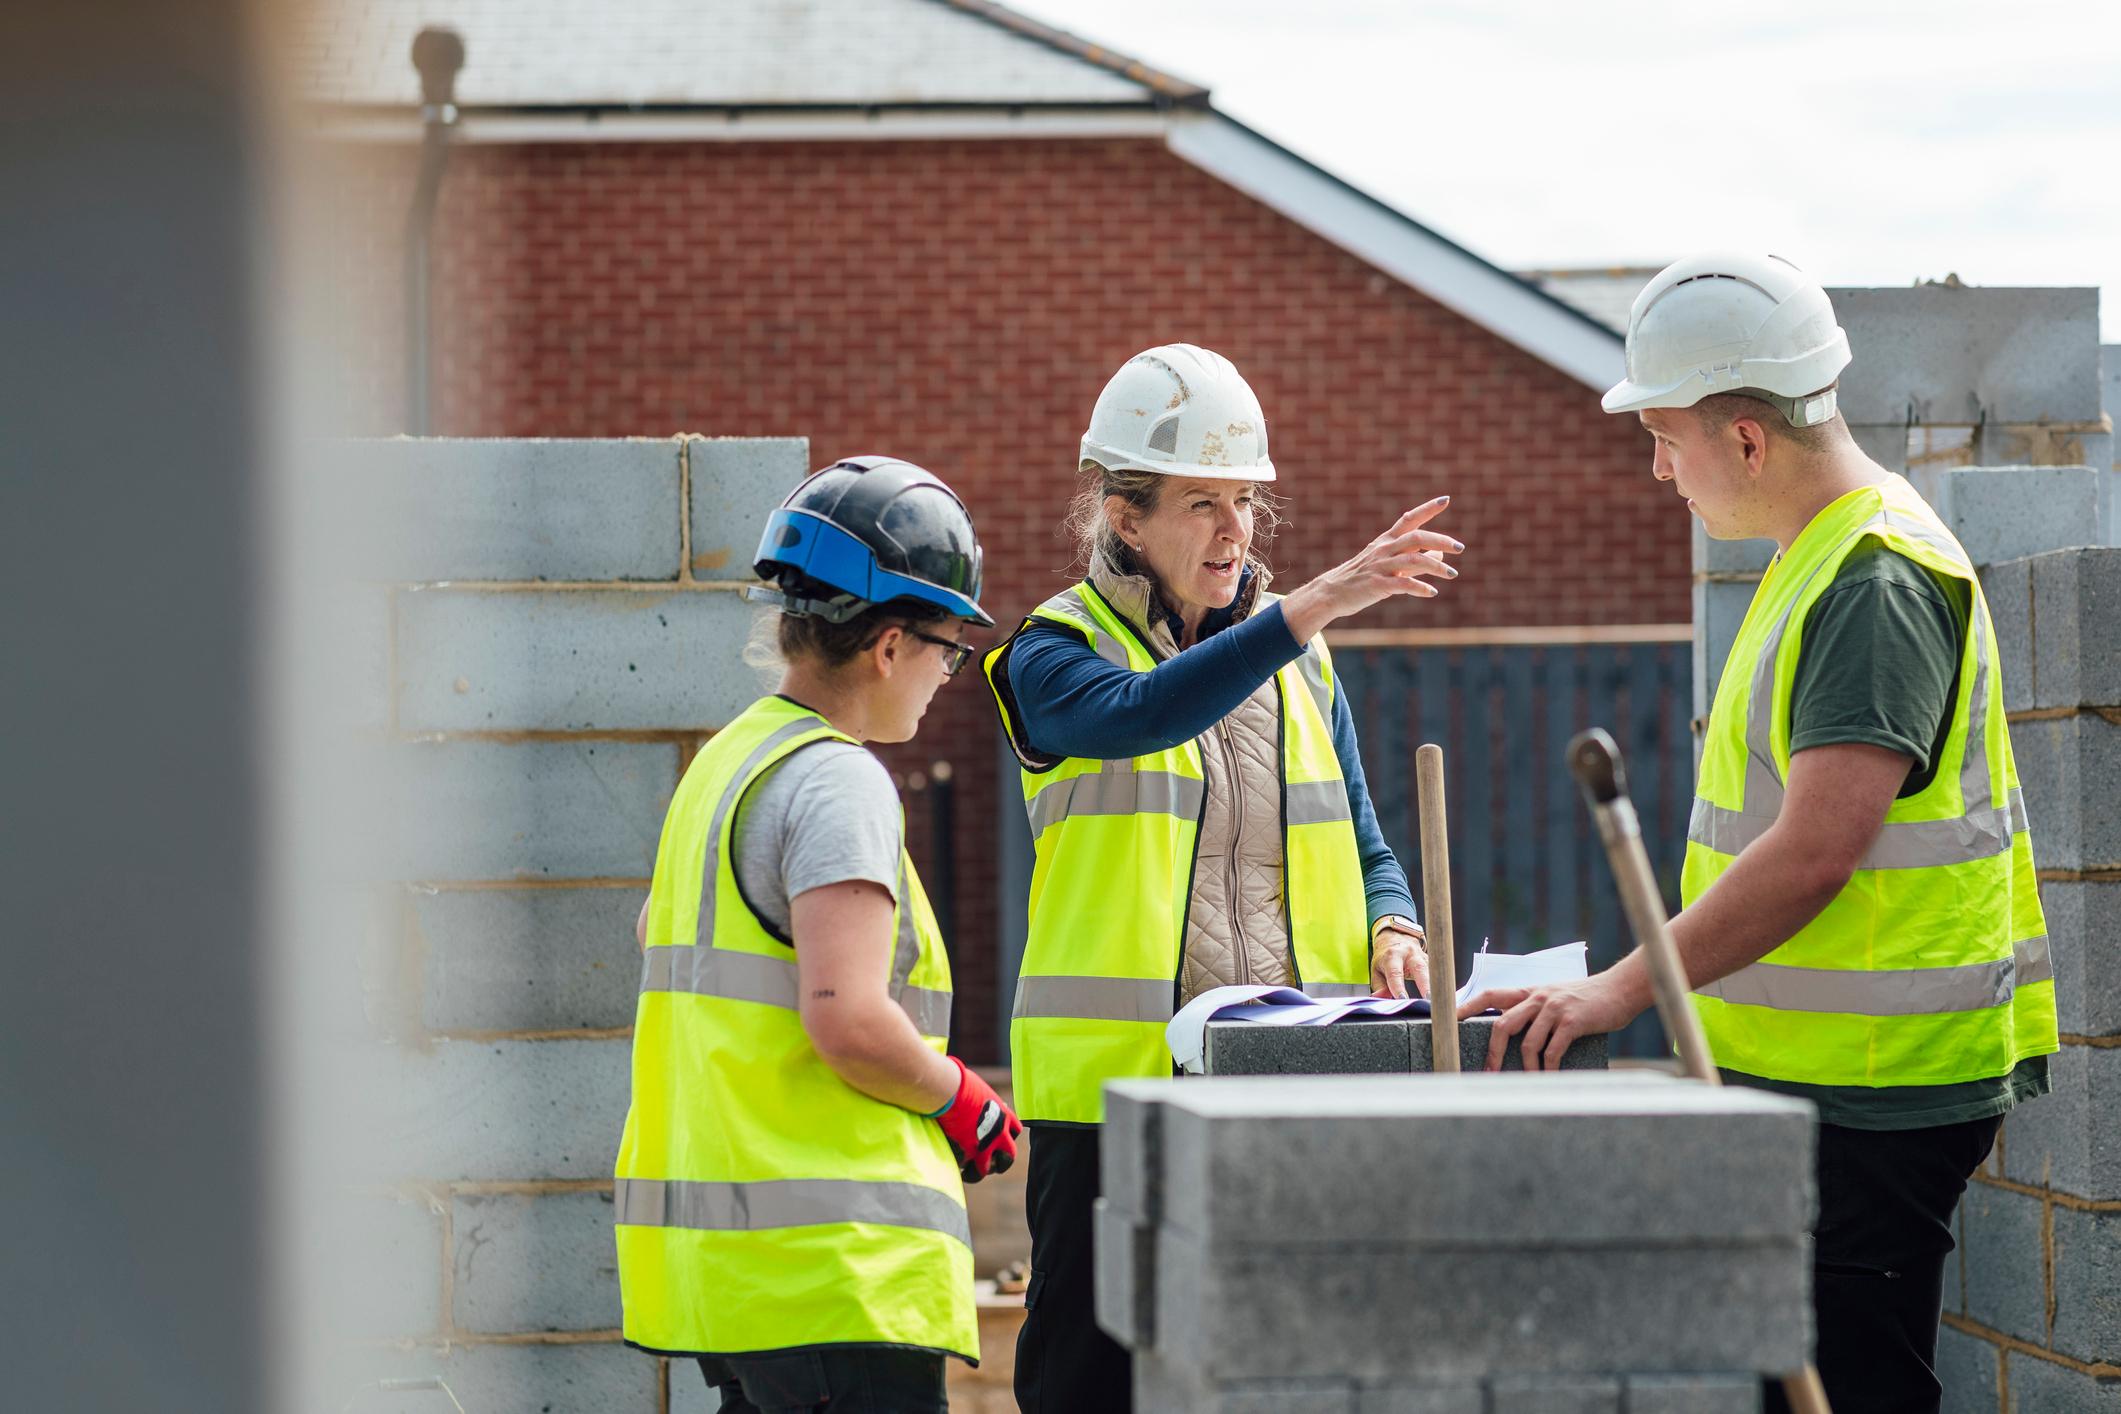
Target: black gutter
column 438, row 54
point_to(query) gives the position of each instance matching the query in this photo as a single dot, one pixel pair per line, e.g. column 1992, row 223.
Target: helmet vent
column 1164, row 437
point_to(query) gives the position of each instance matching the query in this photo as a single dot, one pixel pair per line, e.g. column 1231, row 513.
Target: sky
column 1871, row 143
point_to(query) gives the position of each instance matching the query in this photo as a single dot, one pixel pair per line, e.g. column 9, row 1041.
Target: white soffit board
column 752, row 125
column 1370, row 230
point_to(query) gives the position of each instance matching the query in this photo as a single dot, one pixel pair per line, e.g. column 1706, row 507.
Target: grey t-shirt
column 826, row 814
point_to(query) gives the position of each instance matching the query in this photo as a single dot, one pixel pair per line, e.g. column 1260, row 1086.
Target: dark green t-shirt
column 1879, row 664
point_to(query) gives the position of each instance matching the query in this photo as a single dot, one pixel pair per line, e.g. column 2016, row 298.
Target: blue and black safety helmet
column 867, row 531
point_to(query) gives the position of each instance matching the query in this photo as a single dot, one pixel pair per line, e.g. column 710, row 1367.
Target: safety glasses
column 956, row 655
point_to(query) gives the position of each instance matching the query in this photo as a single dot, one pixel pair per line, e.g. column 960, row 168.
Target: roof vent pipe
column 438, row 54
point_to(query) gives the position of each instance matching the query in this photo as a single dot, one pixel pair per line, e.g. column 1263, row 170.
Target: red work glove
column 981, row 1129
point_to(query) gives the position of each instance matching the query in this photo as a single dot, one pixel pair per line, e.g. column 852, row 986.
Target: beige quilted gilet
column 1237, row 927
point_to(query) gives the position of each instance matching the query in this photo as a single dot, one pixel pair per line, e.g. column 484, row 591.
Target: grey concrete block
column 470, row 1111
column 1719, row 608
column 1940, row 355
column 2006, row 1261
column 1692, row 1394
column 2042, row 1387
column 1380, row 1047
column 572, row 659
column 534, row 1262
column 2008, row 588
column 1347, row 1048
column 1161, row 1385
column 1477, row 1033
column 528, row 959
column 1384, row 1310
column 1130, row 1153
column 1730, row 556
column 1485, row 1160
column 2008, row 512
column 386, row 1257
column 1970, row 1370
column 2070, row 768
column 2084, row 938
column 1570, row 1394
column 2071, row 1139
column 736, row 481
column 553, row 809
column 588, row 1378
column 2076, row 597
column 2088, row 1285
column 518, row 508
column 1422, row 1397
column 1125, row 1281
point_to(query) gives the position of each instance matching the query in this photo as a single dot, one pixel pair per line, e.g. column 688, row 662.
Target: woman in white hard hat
column 1196, row 800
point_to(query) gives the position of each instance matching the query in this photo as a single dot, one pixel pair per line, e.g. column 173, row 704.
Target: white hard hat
column 1181, row 411
column 1733, row 323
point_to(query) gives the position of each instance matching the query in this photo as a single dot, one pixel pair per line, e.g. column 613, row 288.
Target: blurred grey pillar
column 130, row 1116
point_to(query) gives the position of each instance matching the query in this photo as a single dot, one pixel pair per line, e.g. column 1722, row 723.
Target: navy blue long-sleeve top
column 1074, row 703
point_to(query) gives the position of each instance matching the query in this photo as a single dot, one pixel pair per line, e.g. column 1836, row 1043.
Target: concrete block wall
column 2033, row 1309
column 1591, row 1241
column 556, row 626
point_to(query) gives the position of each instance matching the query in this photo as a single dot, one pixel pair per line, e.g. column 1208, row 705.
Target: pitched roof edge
column 1514, row 309
column 1167, row 86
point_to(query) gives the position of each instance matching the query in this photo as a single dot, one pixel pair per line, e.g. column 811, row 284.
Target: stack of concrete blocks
column 1624, row 1243
column 557, row 629
column 2033, row 1308
column 2033, row 1302
column 1382, row 1046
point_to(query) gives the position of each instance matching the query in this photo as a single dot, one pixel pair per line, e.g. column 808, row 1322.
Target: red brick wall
column 960, row 304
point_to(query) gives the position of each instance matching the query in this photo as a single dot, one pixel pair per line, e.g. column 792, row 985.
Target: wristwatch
column 1403, row 923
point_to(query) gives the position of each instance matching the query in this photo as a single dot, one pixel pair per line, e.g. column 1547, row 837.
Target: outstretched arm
column 1836, row 800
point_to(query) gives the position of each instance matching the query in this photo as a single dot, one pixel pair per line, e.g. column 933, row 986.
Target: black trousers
column 1886, row 1199
column 846, row 1379
column 1064, row 1363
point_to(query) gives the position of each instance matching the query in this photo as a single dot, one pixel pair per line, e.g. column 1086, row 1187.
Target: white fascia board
column 1370, row 230
column 752, row 125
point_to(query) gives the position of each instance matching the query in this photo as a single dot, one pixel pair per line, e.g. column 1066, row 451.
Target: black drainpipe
column 437, row 54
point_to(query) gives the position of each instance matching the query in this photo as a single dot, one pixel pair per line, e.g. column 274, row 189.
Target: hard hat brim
column 806, row 542
column 1113, row 459
column 1629, row 396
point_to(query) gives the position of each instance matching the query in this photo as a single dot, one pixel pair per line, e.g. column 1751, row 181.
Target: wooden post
column 1436, row 909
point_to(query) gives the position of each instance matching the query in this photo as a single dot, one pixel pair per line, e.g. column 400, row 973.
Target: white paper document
column 1187, row 1032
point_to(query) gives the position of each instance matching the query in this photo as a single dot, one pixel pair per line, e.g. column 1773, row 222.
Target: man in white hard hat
column 1862, row 924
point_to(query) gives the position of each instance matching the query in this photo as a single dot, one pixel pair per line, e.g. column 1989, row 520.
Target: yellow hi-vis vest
column 1113, row 875
column 1931, row 966
column 762, row 1202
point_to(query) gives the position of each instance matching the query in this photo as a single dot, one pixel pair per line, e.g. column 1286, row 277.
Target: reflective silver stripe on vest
column 704, row 933
column 1096, row 998
column 1900, row 844
column 1312, row 664
column 1325, row 991
column 1904, row 991
column 1071, row 608
column 1122, row 791
column 908, row 950
column 1317, row 802
column 768, row 981
column 1983, row 831
column 786, row 1202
